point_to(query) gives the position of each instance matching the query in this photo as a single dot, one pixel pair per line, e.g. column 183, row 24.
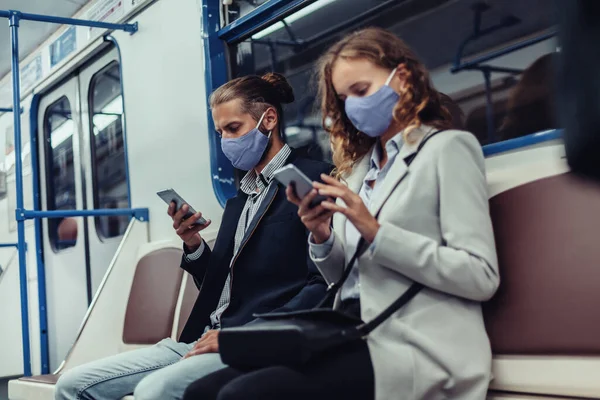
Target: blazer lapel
column 231, row 217
column 399, row 169
column 264, row 207
column 354, row 182
column 272, row 190
column 394, row 176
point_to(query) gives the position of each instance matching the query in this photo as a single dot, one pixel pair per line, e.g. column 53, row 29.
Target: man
column 259, row 262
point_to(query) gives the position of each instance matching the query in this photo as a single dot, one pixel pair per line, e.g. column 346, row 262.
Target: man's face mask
column 246, row 151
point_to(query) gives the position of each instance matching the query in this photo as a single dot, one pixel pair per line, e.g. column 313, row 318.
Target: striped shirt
column 255, row 185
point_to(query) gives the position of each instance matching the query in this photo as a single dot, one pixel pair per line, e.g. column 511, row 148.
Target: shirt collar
column 252, row 183
column 392, row 147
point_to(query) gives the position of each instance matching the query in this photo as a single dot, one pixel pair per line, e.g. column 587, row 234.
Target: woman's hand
column 317, row 219
column 355, row 210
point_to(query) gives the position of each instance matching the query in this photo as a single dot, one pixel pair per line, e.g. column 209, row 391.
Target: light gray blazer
column 436, row 230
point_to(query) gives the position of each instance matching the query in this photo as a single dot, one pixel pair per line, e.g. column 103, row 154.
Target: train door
column 105, row 166
column 64, row 242
column 83, row 166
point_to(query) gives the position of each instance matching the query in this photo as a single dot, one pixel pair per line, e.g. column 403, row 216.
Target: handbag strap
column 415, row 288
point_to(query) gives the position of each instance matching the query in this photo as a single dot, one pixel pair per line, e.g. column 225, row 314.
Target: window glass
column 294, row 47
column 108, row 153
column 59, row 130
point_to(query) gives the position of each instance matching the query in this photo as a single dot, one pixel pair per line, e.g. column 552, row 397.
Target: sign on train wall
column 62, row 47
column 106, row 11
column 31, row 72
column 65, row 43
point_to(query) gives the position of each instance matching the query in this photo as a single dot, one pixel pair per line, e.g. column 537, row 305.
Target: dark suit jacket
column 272, row 270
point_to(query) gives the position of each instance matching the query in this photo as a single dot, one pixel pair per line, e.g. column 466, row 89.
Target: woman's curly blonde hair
column 419, row 103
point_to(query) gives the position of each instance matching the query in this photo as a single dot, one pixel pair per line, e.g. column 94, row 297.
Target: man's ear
column 271, row 119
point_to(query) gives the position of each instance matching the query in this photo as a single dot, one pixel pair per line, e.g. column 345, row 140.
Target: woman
column 433, row 228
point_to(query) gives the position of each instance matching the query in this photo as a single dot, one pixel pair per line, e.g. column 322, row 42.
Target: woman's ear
column 401, row 77
column 270, row 120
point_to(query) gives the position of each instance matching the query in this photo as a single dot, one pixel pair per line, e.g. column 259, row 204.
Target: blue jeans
column 152, row 373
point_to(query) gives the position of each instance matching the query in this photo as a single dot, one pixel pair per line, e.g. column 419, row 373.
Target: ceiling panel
column 32, row 34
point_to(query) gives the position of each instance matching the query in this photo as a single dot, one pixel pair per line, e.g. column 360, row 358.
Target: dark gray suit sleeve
column 196, row 267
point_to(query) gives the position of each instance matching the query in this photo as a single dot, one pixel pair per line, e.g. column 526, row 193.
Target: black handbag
column 294, row 338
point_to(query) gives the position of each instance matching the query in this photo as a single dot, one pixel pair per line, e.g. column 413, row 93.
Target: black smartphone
column 291, row 175
column 171, row 196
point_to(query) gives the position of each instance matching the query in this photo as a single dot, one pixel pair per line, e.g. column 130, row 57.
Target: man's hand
column 185, row 228
column 208, row 343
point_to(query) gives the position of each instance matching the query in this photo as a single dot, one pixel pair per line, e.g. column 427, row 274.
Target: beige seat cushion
column 153, row 297
column 190, row 293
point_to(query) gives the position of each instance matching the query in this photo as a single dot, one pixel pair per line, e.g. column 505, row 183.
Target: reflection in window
column 108, row 155
column 531, row 106
column 59, row 129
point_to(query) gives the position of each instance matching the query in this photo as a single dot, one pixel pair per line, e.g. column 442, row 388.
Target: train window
column 292, row 46
column 108, row 153
column 59, row 130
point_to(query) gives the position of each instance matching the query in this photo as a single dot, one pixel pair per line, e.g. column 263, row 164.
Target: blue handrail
column 131, row 28
column 476, row 62
column 140, row 214
column 8, row 110
column 522, row 142
column 14, row 17
column 14, row 30
column 4, row 245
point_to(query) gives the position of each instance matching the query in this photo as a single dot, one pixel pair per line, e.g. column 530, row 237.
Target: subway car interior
column 110, row 106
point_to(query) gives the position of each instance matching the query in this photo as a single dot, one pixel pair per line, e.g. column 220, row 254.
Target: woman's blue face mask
column 246, row 151
column 373, row 114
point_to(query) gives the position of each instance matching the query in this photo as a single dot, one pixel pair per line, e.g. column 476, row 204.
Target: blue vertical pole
column 14, row 30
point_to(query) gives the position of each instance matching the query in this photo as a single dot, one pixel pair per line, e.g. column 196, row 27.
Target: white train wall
column 165, row 106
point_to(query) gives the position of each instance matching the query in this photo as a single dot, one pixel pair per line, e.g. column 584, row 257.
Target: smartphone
column 290, row 174
column 170, row 196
